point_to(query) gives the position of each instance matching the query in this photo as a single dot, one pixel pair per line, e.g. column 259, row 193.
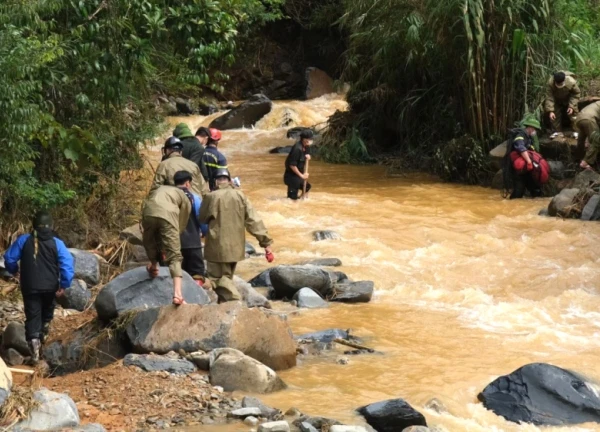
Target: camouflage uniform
column 228, row 214
column 558, row 100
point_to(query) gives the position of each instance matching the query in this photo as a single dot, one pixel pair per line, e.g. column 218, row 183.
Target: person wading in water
column 295, row 163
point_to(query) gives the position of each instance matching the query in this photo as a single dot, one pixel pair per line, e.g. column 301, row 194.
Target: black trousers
column 193, row 262
column 39, row 311
column 294, row 184
column 523, row 182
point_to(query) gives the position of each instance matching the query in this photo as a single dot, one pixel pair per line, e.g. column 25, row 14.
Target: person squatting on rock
column 591, row 156
column 562, row 96
column 588, row 121
column 294, row 176
column 229, row 214
column 193, row 148
column 173, row 162
column 213, row 158
column 523, row 166
column 164, row 218
column 46, row 270
column 191, row 245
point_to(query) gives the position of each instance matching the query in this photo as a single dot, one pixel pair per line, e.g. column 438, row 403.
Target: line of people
column 193, row 196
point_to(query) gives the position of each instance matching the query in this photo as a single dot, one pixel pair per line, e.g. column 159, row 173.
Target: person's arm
column 255, row 226
column 549, row 103
column 199, row 186
column 13, row 255
column 574, row 99
column 66, row 264
column 296, row 171
column 160, row 179
column 205, row 213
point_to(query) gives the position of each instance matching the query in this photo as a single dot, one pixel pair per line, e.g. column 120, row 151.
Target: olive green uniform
column 591, row 156
column 228, row 214
column 175, row 162
column 164, row 217
column 588, row 121
column 558, row 100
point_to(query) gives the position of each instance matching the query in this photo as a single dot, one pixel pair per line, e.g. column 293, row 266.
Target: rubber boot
column 34, row 347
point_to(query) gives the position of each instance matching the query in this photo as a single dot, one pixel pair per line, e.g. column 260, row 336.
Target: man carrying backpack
column 46, row 271
column 524, row 167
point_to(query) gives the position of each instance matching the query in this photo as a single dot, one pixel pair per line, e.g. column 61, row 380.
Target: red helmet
column 215, row 134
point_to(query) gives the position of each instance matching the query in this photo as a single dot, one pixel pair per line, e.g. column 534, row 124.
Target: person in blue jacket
column 191, row 245
column 46, row 270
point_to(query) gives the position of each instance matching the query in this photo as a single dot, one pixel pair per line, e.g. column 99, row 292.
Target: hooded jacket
column 166, row 170
column 192, row 149
column 45, row 262
column 169, row 203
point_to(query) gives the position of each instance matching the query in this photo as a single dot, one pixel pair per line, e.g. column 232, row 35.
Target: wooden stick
column 353, row 345
column 305, row 181
column 23, row 371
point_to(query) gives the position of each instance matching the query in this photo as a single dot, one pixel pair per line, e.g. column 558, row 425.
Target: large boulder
column 353, row 292
column 288, row 280
column 262, row 280
column 561, row 203
column 133, row 235
column 5, row 382
column 318, row 83
column 190, row 328
column 184, row 106
column 155, row 363
column 245, row 115
column 591, row 211
column 543, row 394
column 14, row 337
column 585, row 179
column 557, row 170
column 392, row 415
column 309, row 299
column 323, row 262
column 136, row 290
column 252, row 297
column 87, row 266
column 232, row 370
column 55, row 411
column 76, row 297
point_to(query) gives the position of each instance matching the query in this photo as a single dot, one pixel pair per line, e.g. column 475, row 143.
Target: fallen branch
column 23, row 371
column 354, row 345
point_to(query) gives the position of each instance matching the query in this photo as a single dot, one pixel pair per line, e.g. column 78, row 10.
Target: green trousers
column 591, row 156
column 161, row 236
column 586, row 129
column 221, row 276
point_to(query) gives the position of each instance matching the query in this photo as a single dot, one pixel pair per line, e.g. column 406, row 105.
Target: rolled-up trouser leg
column 221, row 275
column 150, row 237
column 171, row 243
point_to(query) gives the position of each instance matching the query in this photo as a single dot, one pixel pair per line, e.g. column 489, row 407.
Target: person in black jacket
column 46, row 271
column 192, row 148
column 294, row 176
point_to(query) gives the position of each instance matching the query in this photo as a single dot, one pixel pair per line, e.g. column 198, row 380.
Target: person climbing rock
column 46, row 271
column 562, row 96
column 229, row 214
column 191, row 245
column 294, row 176
column 213, row 158
column 173, row 162
column 164, row 218
column 591, row 156
column 525, row 168
column 588, row 122
column 193, row 149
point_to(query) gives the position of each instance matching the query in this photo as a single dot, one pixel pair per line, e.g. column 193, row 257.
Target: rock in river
column 245, row 115
column 543, row 394
column 560, row 204
column 353, row 292
column 326, row 235
column 266, row 338
column 585, row 178
column 136, row 290
column 325, row 336
column 288, row 280
column 252, row 297
column 392, row 415
column 323, row 262
column 232, row 370
column 309, row 299
column 262, row 280
column 591, row 211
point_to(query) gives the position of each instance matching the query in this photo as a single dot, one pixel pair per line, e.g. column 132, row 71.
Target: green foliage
column 461, row 160
column 79, row 78
column 425, row 72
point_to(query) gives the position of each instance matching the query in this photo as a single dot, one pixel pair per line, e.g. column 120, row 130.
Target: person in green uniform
column 174, row 162
column 591, row 156
column 588, row 122
column 562, row 96
column 193, row 149
column 229, row 214
column 164, row 217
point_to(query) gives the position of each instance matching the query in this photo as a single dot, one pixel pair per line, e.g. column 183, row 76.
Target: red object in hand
column 270, row 257
column 529, row 167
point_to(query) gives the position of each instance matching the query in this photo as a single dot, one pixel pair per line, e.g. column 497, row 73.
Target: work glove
column 270, row 257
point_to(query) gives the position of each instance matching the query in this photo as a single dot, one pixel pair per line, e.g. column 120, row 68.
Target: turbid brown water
column 468, row 286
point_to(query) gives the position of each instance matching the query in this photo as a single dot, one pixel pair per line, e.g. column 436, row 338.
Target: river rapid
column 468, row 286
